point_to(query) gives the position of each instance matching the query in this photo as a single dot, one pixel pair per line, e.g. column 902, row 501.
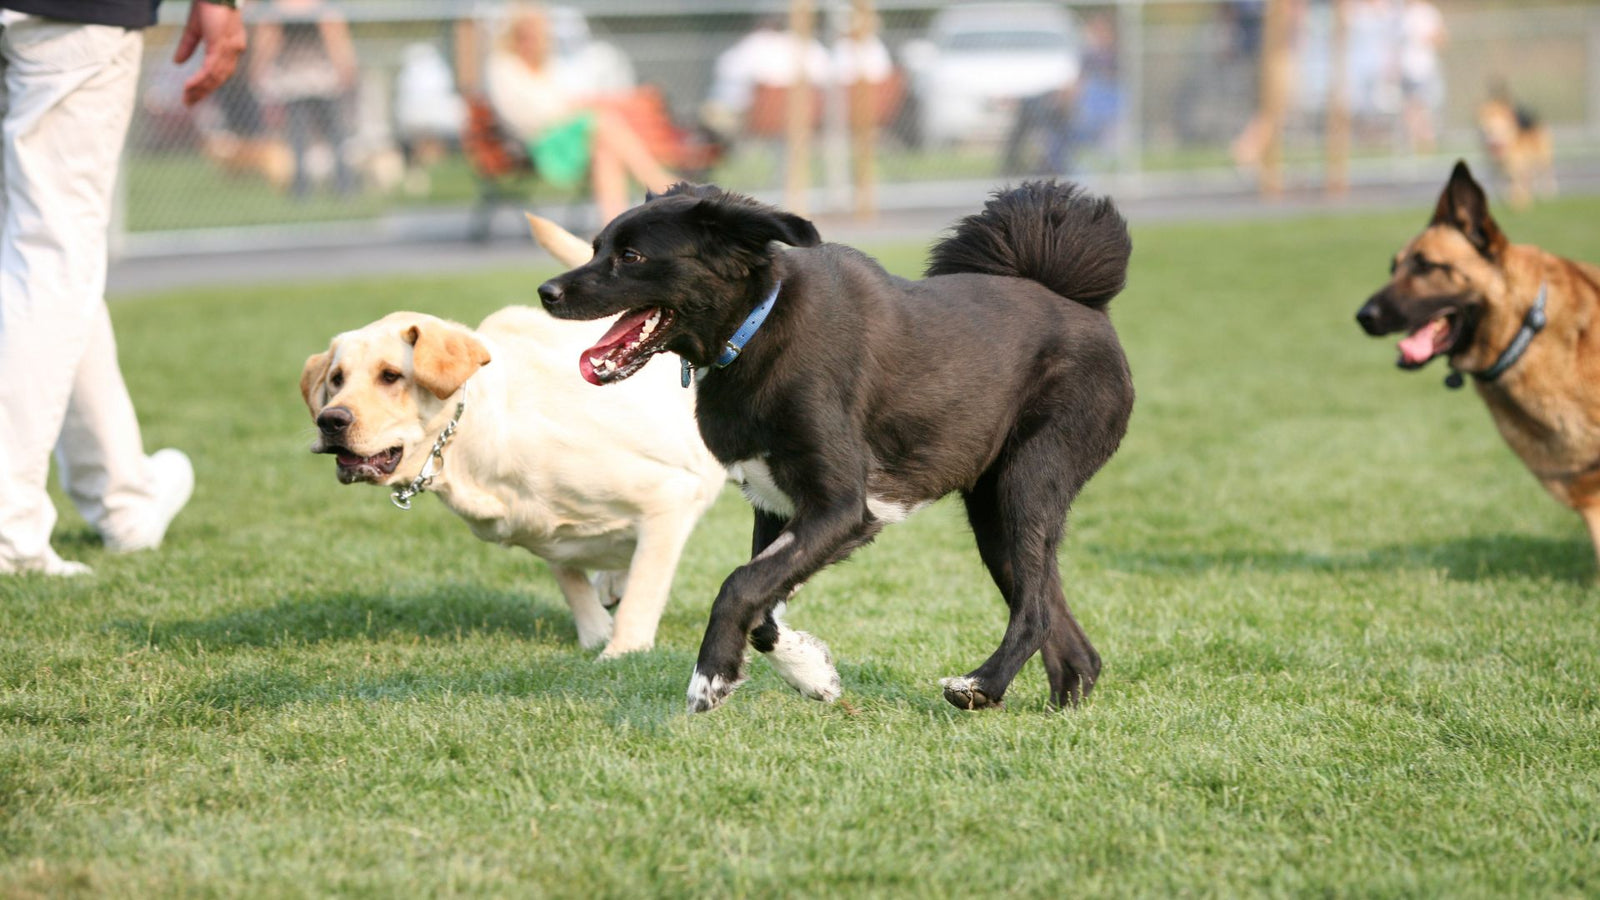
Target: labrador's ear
column 566, row 247
column 311, row 377
column 443, row 356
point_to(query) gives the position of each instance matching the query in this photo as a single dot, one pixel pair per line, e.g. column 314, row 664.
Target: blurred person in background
column 428, row 111
column 1250, row 145
column 1372, row 70
column 235, row 134
column 1422, row 36
column 769, row 56
column 303, row 59
column 70, row 70
column 1099, row 97
column 1081, row 114
column 860, row 54
column 569, row 136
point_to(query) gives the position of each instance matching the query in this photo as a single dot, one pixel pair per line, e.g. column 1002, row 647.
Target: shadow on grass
column 448, row 613
column 642, row 692
column 1461, row 559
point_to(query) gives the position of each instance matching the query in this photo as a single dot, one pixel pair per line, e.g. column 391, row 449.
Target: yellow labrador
column 608, row 481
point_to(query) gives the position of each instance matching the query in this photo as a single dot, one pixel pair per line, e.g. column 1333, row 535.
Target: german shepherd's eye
column 1393, row 265
column 390, row 376
column 1424, row 265
column 631, row 256
column 336, row 380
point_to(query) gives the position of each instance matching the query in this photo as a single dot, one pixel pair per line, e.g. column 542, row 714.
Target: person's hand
column 221, row 30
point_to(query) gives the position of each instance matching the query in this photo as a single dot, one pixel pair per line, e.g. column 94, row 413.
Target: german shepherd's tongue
column 1425, row 343
column 608, row 360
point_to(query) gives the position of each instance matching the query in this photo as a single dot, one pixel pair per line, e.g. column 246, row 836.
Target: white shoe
column 49, row 564
column 174, row 483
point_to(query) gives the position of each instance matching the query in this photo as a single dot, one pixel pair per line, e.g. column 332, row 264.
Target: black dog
column 862, row 397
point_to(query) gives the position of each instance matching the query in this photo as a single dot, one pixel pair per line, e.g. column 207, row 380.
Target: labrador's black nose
column 550, row 293
column 334, row 419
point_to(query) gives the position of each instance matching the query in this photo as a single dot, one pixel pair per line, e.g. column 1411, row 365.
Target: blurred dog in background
column 1519, row 147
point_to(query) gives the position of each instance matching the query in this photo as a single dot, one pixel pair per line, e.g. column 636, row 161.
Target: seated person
column 567, row 135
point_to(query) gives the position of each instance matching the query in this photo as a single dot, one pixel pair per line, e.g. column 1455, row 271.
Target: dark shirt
column 126, row 13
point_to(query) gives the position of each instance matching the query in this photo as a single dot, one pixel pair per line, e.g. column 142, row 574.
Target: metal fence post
column 1130, row 77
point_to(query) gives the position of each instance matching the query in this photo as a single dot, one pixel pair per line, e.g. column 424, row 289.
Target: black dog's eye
column 390, row 376
column 631, row 256
column 337, row 380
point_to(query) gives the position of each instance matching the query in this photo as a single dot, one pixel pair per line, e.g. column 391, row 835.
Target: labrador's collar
column 402, row 496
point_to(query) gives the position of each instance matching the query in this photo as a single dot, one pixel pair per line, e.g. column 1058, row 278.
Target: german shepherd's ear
column 316, row 369
column 444, row 357
column 1464, row 207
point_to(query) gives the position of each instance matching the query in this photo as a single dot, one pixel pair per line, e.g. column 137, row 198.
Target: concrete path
column 435, row 246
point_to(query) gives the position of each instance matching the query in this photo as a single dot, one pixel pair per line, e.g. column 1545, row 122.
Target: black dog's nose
column 550, row 293
column 334, row 419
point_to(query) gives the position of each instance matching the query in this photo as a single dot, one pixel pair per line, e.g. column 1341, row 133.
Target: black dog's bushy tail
column 1051, row 232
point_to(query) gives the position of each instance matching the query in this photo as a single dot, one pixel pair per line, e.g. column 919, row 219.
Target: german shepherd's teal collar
column 1532, row 324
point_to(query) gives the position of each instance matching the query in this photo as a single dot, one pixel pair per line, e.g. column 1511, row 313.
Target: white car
column 979, row 59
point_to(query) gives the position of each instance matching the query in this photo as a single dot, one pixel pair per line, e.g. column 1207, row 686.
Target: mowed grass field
column 1350, row 646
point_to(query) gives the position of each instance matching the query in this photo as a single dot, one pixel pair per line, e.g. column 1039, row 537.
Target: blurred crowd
column 1391, row 66
column 1040, row 84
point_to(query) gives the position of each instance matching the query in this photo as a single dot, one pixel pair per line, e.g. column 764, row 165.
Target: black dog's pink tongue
column 624, row 331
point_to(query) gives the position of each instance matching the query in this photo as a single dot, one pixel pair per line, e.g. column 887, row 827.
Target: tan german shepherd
column 1523, row 323
column 1519, row 146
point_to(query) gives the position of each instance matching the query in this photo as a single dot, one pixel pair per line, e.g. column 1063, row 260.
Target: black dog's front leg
column 811, row 540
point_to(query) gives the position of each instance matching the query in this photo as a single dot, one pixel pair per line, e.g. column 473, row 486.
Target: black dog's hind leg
column 748, row 606
column 1018, row 512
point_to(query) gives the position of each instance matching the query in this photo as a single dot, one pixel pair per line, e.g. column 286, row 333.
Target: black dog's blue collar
column 735, row 345
column 1532, row 324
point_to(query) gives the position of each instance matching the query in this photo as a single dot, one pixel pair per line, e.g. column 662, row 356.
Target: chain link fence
column 1140, row 96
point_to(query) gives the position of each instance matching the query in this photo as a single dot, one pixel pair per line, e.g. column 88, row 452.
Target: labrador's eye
column 390, row 376
column 631, row 256
column 337, row 380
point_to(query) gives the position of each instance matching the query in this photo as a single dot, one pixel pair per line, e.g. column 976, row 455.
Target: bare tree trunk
column 1337, row 182
column 797, row 175
column 864, row 116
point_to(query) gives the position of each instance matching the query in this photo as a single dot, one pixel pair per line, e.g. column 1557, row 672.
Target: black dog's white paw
column 706, row 694
column 803, row 661
column 964, row 692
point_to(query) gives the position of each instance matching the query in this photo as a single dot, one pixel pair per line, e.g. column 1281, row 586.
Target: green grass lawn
column 1350, row 647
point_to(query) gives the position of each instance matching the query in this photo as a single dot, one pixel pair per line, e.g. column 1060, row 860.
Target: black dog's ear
column 1463, row 206
column 747, row 229
column 685, row 189
column 797, row 231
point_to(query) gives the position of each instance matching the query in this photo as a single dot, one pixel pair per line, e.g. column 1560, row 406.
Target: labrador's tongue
column 1420, row 346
